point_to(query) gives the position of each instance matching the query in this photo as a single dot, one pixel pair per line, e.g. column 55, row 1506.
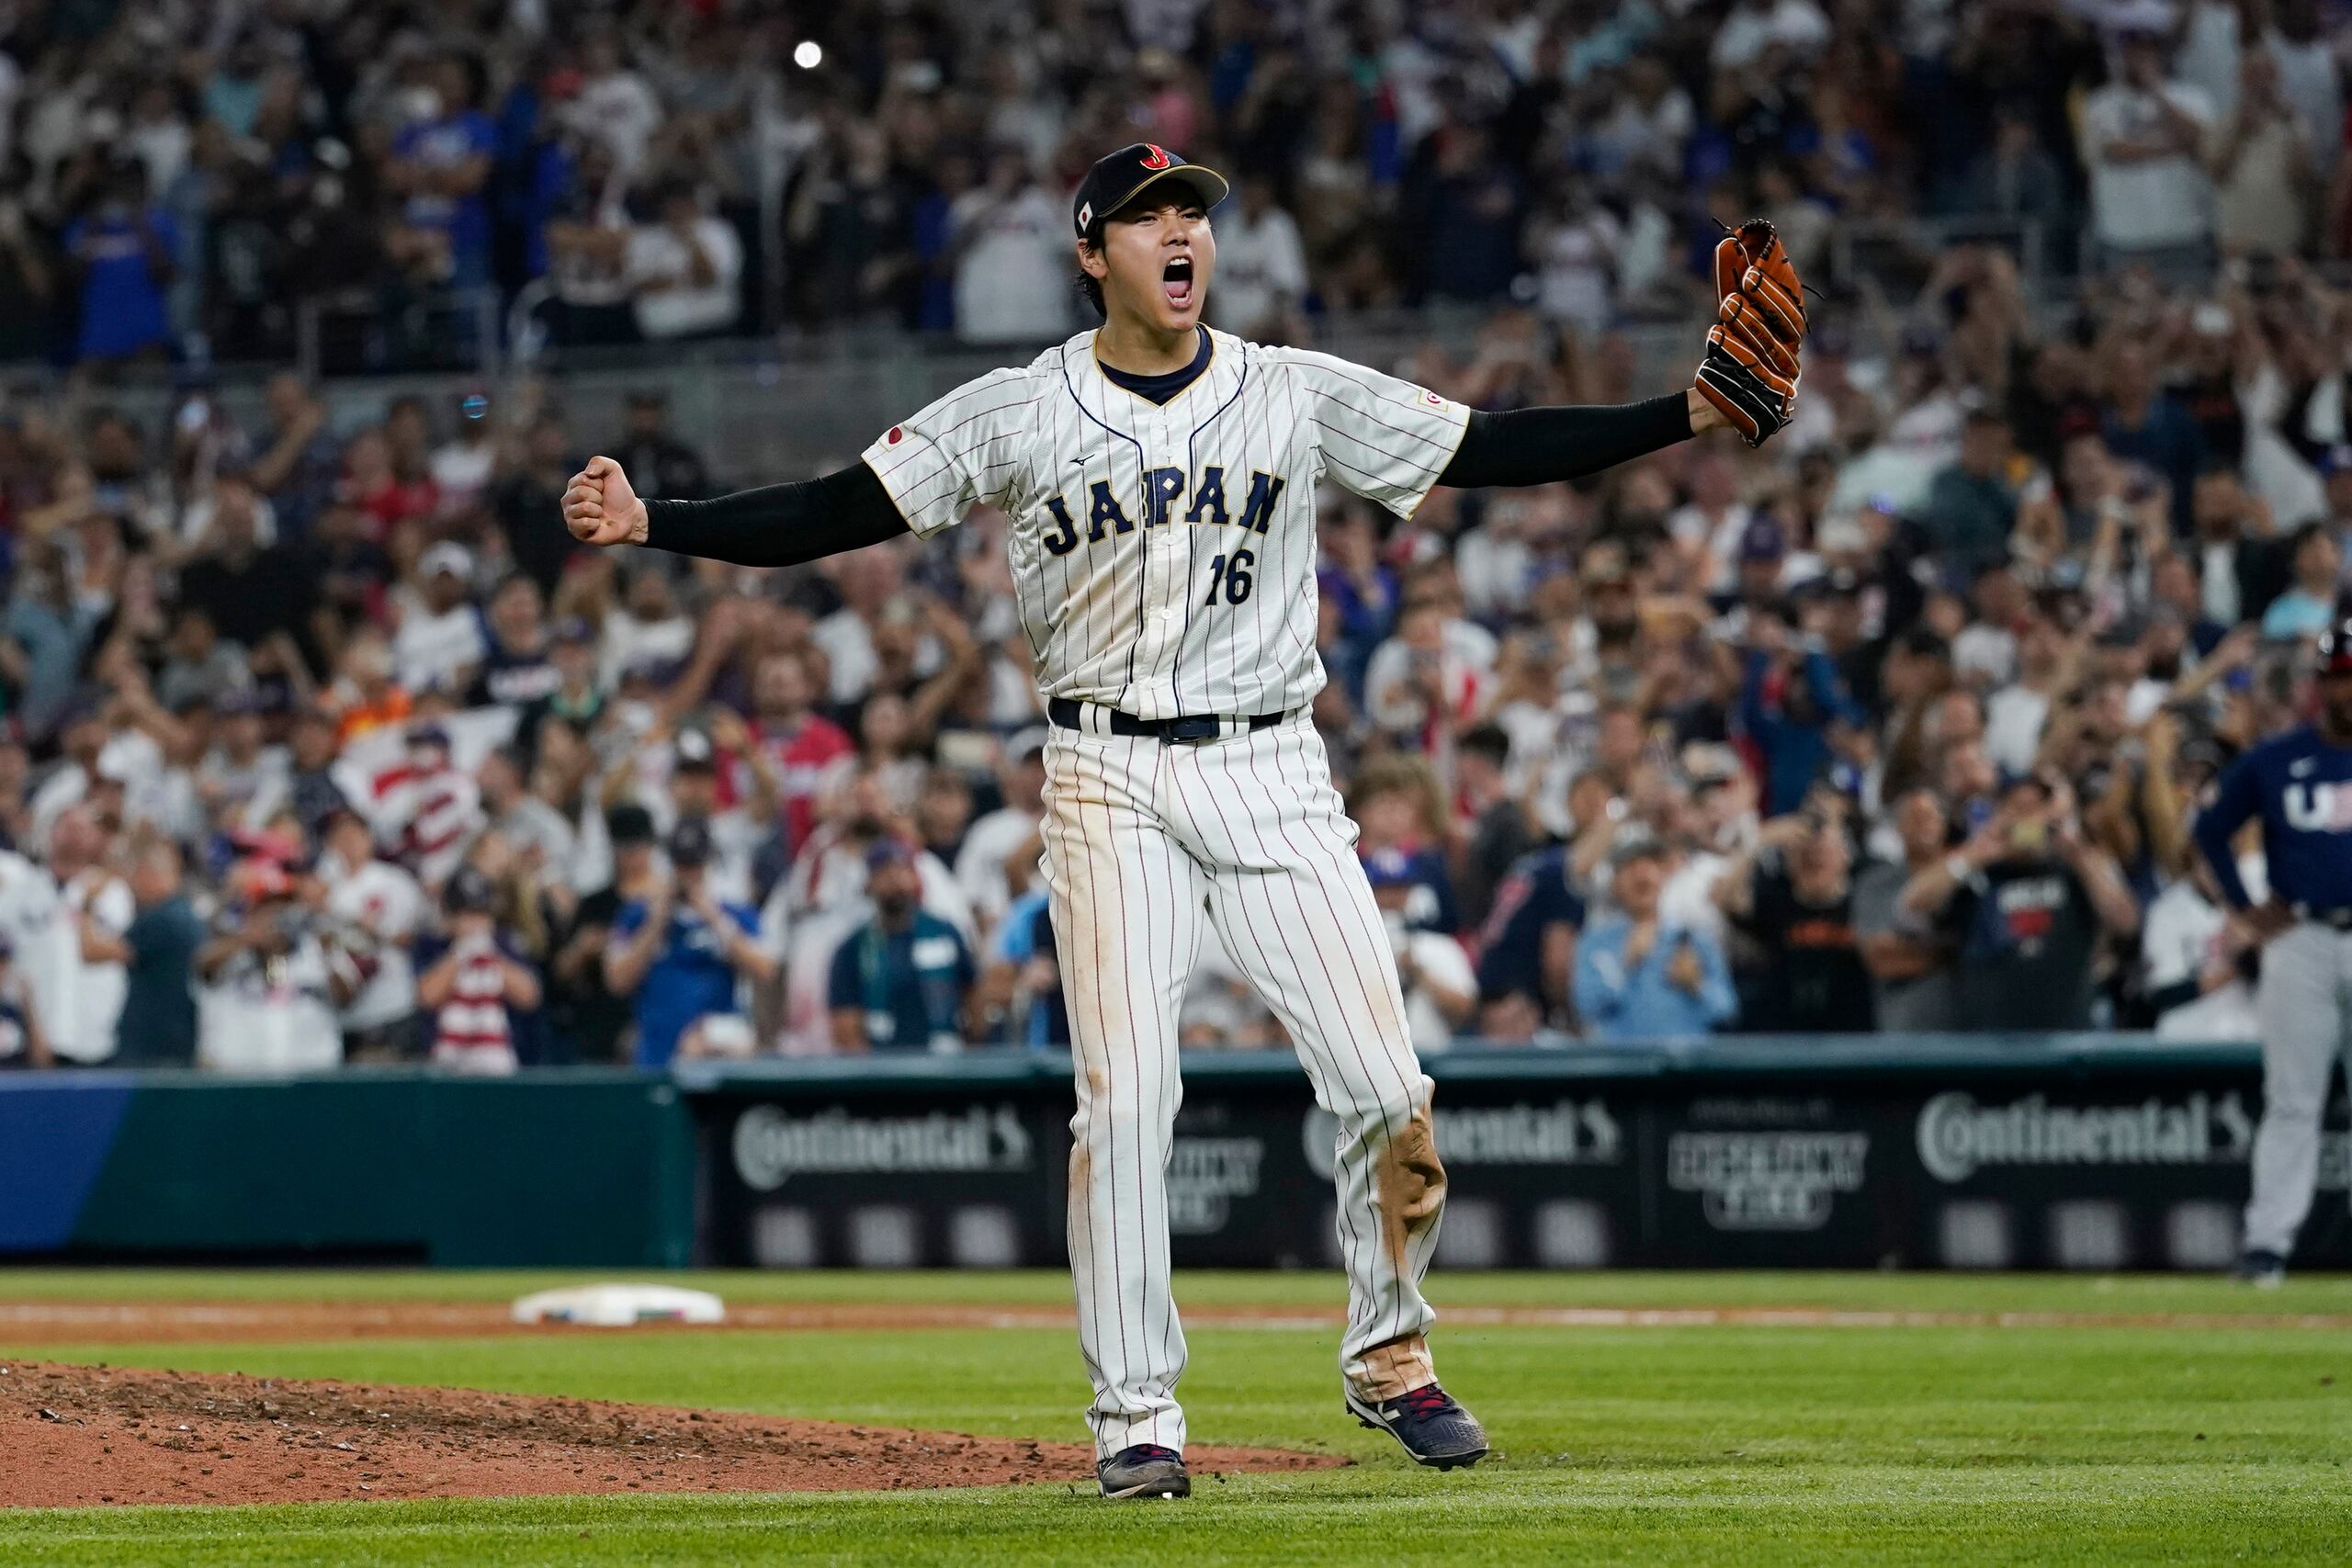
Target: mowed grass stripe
column 1317, row 1289
column 1871, row 1515
column 1746, row 1444
column 1602, row 1396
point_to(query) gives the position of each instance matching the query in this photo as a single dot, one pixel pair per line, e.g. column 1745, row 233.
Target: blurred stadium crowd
column 180, row 176
column 323, row 744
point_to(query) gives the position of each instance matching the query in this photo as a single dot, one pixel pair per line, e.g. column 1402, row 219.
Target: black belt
column 1192, row 726
column 2341, row 919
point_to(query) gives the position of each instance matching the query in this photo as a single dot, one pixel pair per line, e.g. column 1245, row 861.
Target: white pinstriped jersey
column 1164, row 555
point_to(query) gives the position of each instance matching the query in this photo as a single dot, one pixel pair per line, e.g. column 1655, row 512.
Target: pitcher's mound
column 71, row 1435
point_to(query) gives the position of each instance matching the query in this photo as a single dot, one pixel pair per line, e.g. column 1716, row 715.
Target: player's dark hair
column 1090, row 289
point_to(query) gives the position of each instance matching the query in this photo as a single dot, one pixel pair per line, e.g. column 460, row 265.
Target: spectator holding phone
column 1910, row 956
column 1639, row 977
column 477, row 984
column 2030, row 898
column 271, row 984
column 1792, row 897
column 679, row 950
column 1789, row 695
column 902, row 980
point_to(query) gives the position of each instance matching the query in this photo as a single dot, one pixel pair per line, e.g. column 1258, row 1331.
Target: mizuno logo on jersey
column 2319, row 808
column 1162, row 489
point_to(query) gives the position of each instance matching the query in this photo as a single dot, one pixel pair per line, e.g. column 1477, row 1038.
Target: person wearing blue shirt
column 440, row 164
column 1639, row 977
column 123, row 249
column 900, row 981
column 1786, row 706
column 2144, row 424
column 1024, row 946
column 2307, row 608
column 1525, row 952
column 681, row 952
column 2299, row 786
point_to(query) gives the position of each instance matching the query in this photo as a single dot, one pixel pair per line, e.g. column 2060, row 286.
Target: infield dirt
column 62, row 1321
column 72, row 1435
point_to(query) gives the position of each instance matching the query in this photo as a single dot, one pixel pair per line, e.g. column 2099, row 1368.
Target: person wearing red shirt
column 809, row 752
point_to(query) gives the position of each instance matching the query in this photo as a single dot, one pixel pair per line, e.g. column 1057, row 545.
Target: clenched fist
column 600, row 508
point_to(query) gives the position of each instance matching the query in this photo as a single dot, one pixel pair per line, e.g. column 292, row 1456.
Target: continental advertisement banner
column 2035, row 1156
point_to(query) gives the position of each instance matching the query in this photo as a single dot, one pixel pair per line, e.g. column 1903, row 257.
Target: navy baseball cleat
column 1145, row 1470
column 1430, row 1423
column 2263, row 1270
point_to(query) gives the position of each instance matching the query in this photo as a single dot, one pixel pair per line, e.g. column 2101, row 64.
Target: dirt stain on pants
column 1410, row 1183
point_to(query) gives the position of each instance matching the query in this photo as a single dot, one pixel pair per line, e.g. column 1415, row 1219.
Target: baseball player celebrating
column 1159, row 478
column 2300, row 784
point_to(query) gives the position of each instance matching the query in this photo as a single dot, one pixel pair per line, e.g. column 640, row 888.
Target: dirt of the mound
column 71, row 1435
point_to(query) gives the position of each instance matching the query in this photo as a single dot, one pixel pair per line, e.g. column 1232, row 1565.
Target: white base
column 620, row 1306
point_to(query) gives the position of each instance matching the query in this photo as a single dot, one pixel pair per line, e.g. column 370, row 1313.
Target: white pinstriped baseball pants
column 1142, row 839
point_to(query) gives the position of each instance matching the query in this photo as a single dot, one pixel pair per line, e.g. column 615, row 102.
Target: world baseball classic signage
column 1748, row 1178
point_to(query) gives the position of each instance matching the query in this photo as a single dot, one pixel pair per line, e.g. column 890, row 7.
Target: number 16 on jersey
column 1232, row 574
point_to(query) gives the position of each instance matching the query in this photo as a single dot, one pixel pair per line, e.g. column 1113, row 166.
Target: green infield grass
column 1980, row 1443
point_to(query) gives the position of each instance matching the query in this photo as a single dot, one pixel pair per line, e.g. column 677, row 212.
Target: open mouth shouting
column 1177, row 280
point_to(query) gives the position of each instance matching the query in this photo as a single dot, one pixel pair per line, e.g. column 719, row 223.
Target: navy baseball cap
column 887, row 851
column 2332, row 654
column 470, row 893
column 1762, row 540
column 690, row 842
column 1118, row 179
column 1388, row 868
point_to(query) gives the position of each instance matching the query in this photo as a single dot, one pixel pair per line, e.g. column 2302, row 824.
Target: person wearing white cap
column 440, row 640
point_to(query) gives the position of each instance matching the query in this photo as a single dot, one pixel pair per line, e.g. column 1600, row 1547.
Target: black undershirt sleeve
column 779, row 525
column 1542, row 446
column 790, row 524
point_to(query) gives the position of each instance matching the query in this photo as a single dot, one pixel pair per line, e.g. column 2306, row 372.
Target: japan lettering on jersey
column 1163, row 555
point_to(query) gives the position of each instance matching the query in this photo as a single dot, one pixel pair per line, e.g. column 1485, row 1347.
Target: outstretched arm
column 774, row 526
column 1546, row 445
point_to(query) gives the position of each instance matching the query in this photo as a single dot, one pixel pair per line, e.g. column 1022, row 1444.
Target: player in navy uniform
column 2300, row 786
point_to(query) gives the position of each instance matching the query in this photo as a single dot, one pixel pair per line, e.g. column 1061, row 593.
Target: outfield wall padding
column 2086, row 1152
column 583, row 1166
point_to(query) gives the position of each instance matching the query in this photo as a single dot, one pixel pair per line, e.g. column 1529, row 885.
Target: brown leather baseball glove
column 1752, row 365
